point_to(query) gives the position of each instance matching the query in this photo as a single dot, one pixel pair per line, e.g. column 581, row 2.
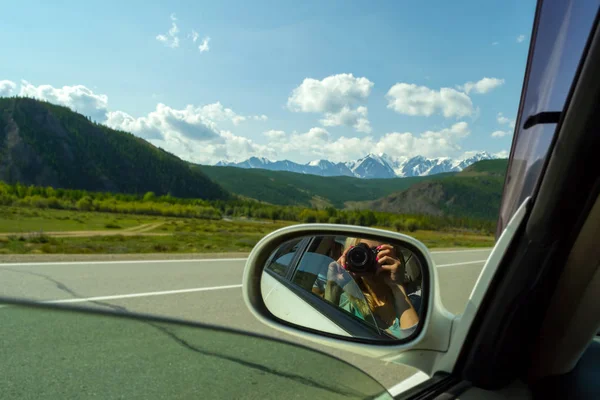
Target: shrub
column 111, row 225
column 38, row 237
column 412, row 225
column 399, row 225
column 85, row 203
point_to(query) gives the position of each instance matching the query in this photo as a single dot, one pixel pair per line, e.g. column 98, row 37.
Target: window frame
column 271, row 260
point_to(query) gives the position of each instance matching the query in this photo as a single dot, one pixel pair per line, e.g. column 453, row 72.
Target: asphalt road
column 55, row 353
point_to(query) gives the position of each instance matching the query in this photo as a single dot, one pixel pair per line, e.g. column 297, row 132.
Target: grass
column 23, row 219
column 433, row 239
column 176, row 235
column 119, row 244
column 183, row 226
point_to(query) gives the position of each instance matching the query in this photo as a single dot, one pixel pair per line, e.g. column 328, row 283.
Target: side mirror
column 361, row 289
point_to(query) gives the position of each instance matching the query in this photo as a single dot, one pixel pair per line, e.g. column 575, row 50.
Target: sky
column 336, row 80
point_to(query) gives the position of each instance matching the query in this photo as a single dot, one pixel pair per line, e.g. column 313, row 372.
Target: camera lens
column 360, row 258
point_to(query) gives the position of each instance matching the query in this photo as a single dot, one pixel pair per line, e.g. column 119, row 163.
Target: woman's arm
column 336, row 280
column 393, row 268
column 406, row 312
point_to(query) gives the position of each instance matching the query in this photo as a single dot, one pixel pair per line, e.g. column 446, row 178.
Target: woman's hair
column 379, row 296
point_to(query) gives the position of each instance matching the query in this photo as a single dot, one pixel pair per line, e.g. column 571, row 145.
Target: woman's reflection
column 370, row 283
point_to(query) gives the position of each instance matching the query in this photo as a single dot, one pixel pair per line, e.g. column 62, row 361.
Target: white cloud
column 501, row 154
column 191, row 133
column 330, row 94
column 190, row 122
column 7, row 88
column 240, row 148
column 275, row 135
column 171, row 38
column 204, row 45
column 217, row 112
column 346, row 148
column 194, row 36
column 145, row 127
column 482, row 86
column 410, row 99
column 79, row 98
column 336, row 97
column 197, row 123
column 262, row 117
column 500, row 134
column 445, row 142
column 355, row 118
column 318, row 143
column 520, row 38
column 505, row 120
column 226, row 147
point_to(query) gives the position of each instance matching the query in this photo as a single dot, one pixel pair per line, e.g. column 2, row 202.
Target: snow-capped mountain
column 369, row 167
column 372, row 166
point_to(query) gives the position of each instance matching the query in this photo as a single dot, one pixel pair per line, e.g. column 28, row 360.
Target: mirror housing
column 432, row 337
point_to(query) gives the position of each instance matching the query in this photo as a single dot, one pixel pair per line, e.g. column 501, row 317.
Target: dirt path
column 149, row 227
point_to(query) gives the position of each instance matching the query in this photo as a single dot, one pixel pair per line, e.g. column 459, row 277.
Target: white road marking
column 120, row 262
column 179, row 261
column 147, row 294
column 461, row 251
column 461, row 263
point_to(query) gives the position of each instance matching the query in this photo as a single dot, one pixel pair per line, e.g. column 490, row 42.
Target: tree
column 149, row 196
column 85, row 203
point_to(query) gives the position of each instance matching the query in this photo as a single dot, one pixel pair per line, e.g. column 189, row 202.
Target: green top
column 394, row 329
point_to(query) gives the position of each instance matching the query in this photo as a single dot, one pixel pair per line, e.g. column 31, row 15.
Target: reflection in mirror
column 346, row 286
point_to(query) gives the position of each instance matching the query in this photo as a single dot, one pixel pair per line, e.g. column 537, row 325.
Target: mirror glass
column 368, row 288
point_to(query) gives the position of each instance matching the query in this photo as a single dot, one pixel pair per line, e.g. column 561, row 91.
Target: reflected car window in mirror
column 374, row 282
column 282, row 259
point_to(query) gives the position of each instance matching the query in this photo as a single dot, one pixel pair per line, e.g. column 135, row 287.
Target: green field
column 24, row 219
column 22, row 232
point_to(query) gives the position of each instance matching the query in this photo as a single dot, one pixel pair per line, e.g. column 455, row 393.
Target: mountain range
column 474, row 192
column 47, row 145
column 372, row 166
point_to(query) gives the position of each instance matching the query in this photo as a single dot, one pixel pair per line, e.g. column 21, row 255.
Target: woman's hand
column 335, row 272
column 389, row 264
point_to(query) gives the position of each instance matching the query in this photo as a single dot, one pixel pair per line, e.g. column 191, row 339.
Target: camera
column 361, row 259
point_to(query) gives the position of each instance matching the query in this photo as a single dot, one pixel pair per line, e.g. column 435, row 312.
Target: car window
column 561, row 40
column 102, row 356
column 282, row 260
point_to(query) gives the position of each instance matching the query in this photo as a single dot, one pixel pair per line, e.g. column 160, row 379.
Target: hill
column 486, row 168
column 290, row 188
column 48, row 145
column 475, row 192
